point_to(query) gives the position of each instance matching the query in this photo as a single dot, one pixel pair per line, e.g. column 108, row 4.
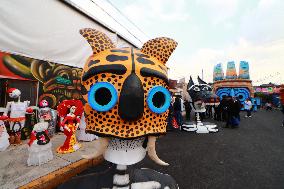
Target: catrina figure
column 71, row 110
column 127, row 100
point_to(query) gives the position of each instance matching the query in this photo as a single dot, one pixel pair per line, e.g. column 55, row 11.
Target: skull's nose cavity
column 131, row 102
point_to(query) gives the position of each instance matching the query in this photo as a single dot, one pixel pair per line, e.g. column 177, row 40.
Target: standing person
column 236, row 108
column 187, row 110
column 224, row 108
column 177, row 110
column 247, row 107
column 171, row 115
column 229, row 111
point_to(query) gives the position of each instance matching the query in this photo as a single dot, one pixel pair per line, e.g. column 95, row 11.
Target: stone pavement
column 248, row 157
column 14, row 171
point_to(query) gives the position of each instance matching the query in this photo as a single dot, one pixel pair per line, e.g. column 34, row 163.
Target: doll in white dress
column 4, row 137
column 82, row 135
column 39, row 145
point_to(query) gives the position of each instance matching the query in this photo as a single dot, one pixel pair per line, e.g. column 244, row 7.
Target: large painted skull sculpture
column 127, row 97
column 126, row 89
column 198, row 93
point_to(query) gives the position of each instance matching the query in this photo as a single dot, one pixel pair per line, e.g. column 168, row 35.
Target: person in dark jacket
column 229, row 104
column 224, row 108
column 217, row 112
column 177, row 110
column 171, row 116
column 187, row 109
column 237, row 106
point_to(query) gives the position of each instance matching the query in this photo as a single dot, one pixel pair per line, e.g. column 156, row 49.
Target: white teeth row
column 64, row 92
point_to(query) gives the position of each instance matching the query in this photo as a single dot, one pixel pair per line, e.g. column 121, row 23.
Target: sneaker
column 249, row 116
column 246, row 116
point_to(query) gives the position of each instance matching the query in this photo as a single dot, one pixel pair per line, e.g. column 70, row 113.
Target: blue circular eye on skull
column 102, row 96
column 159, row 99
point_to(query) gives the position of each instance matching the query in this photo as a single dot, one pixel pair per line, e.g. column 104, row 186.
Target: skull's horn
column 100, row 145
column 190, row 83
column 151, row 148
column 200, row 81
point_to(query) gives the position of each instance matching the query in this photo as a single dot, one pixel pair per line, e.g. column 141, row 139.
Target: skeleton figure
column 127, row 104
column 17, row 114
column 198, row 93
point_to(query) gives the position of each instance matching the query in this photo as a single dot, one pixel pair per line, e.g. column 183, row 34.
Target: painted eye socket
column 102, row 96
column 159, row 99
column 196, row 89
column 206, row 89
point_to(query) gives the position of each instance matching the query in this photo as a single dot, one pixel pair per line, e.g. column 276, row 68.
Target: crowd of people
column 228, row 111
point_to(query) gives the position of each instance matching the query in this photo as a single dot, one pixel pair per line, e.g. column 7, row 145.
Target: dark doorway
column 28, row 90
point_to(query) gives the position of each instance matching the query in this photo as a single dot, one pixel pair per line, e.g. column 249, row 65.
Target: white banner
column 46, row 30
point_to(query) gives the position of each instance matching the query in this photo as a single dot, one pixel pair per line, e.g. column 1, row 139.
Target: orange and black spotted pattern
column 160, row 48
column 97, row 40
column 117, row 67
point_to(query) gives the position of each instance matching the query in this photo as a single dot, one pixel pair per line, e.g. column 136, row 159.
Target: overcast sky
column 213, row 31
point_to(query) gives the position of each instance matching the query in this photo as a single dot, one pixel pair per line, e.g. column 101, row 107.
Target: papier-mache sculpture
column 17, row 114
column 71, row 110
column 199, row 93
column 4, row 137
column 127, row 100
column 40, row 150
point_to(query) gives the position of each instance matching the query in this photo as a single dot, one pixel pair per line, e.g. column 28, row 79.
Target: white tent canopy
column 49, row 30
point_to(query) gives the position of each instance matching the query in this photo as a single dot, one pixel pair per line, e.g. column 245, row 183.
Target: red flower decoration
column 29, row 110
column 65, row 105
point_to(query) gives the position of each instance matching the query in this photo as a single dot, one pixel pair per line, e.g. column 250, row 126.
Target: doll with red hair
column 71, row 110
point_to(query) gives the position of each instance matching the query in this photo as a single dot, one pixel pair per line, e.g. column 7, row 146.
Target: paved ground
column 14, row 171
column 249, row 157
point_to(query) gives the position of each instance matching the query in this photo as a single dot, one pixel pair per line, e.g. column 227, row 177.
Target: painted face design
column 126, row 89
column 199, row 92
column 72, row 109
